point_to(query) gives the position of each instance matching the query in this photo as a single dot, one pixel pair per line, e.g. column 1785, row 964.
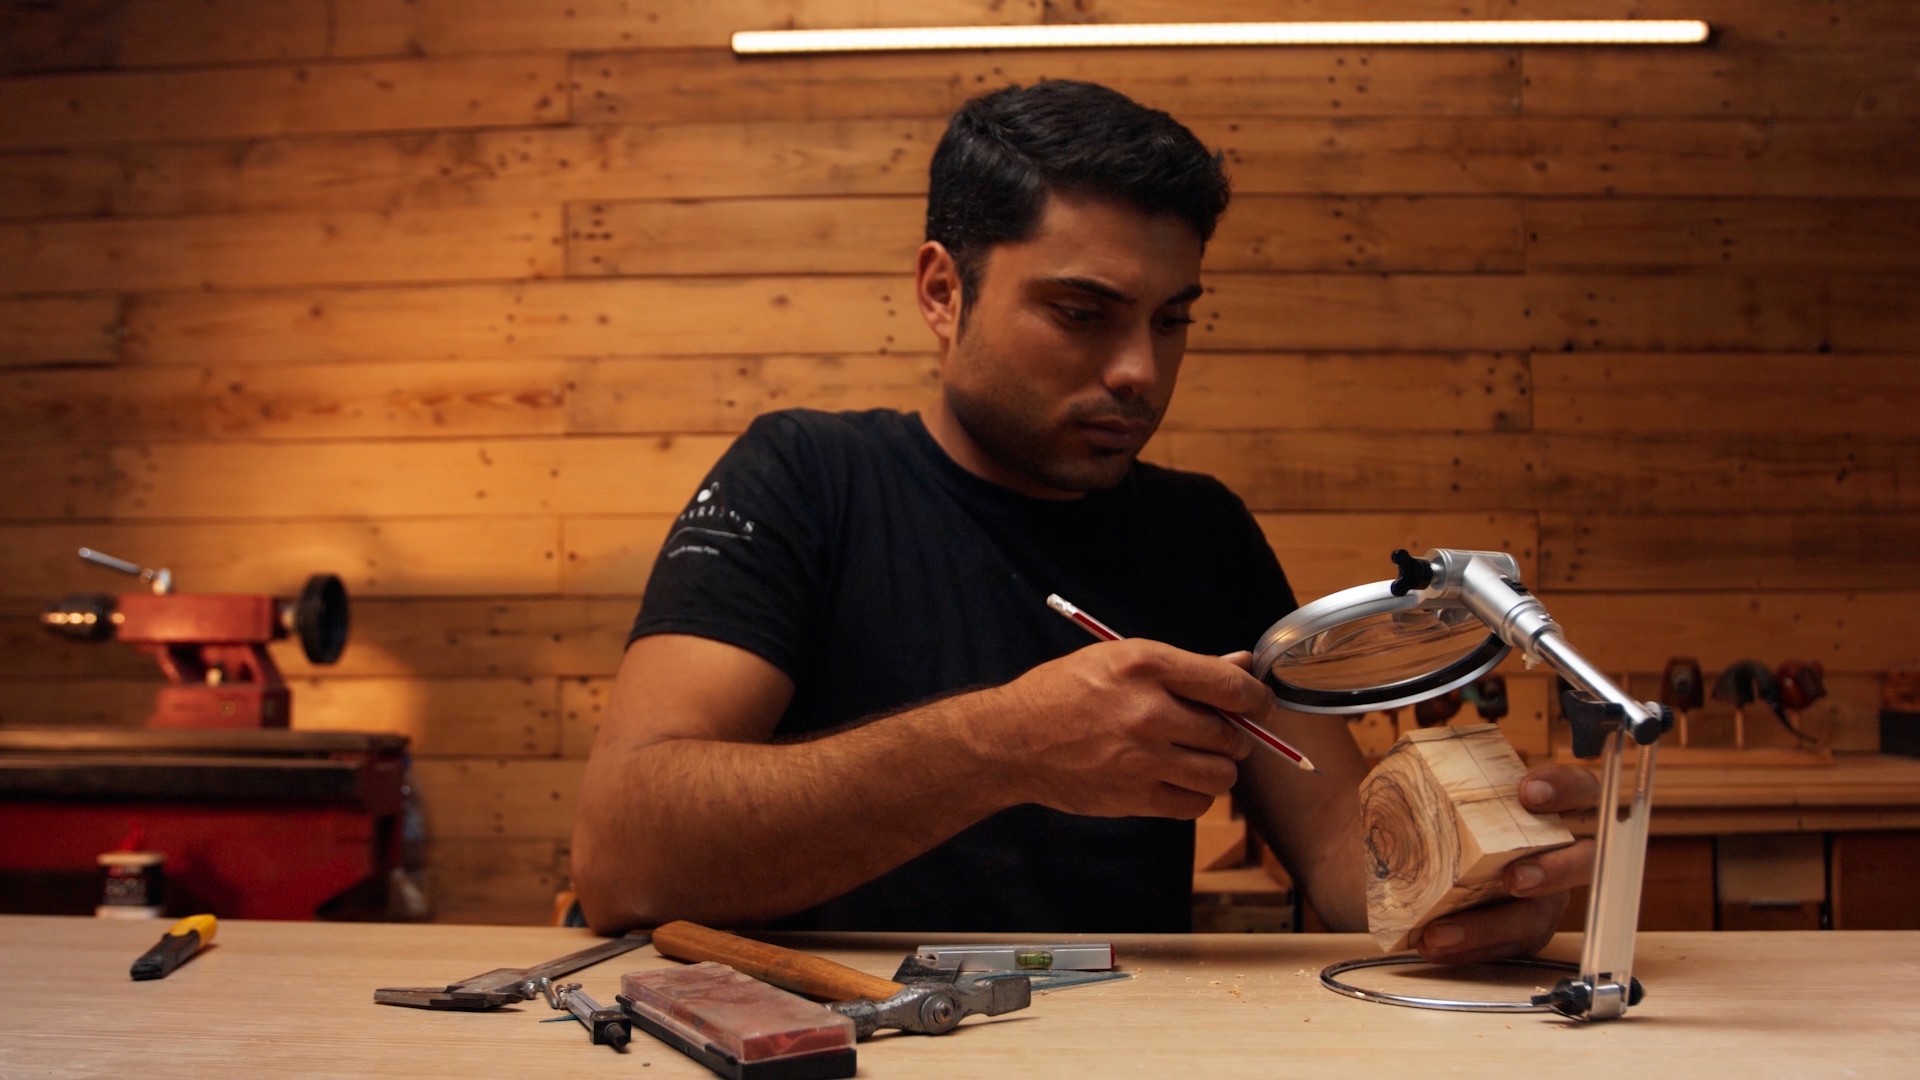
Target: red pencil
column 1266, row 738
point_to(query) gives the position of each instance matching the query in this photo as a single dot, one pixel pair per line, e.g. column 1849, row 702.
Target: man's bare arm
column 688, row 811
column 1312, row 823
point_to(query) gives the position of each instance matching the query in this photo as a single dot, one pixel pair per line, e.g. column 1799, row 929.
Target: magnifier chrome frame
column 1604, row 720
column 1330, row 978
column 1349, row 605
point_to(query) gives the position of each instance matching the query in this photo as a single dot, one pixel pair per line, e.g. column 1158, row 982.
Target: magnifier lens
column 1382, row 649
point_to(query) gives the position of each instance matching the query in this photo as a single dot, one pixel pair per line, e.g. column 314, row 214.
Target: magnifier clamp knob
column 1415, row 572
column 1574, row 998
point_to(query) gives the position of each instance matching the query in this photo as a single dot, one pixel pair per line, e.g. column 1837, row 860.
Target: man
column 845, row 705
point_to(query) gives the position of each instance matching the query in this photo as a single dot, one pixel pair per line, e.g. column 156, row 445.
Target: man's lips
column 1115, row 434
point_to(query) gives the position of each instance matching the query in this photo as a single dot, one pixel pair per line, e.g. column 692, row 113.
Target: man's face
column 1070, row 347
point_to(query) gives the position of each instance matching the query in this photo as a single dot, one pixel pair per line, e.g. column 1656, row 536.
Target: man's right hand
column 1122, row 728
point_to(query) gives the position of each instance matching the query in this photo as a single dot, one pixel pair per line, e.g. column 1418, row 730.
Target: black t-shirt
column 851, row 552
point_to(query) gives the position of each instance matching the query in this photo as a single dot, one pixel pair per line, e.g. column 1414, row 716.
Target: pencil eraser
column 737, row 1025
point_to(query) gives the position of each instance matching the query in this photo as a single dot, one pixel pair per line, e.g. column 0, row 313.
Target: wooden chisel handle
column 814, row 976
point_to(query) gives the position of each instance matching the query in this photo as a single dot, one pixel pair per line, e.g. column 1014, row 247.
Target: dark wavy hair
column 1006, row 151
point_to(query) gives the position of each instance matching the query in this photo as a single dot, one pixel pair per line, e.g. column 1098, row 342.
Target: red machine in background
column 255, row 820
column 211, row 647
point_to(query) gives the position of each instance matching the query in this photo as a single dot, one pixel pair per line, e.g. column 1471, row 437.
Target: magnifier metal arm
column 1604, row 718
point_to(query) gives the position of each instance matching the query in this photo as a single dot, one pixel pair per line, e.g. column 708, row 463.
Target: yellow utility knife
column 182, row 940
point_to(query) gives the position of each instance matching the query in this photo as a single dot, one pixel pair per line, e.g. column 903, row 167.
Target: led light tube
column 1131, row 35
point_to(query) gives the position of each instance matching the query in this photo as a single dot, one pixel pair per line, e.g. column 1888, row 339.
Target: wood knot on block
column 1440, row 818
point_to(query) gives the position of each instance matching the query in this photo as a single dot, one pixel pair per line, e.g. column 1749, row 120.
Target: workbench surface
column 296, row 999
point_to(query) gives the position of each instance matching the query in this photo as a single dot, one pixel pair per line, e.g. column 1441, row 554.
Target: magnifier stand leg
column 1606, row 986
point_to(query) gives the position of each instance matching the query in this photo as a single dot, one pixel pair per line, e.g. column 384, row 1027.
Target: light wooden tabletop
column 295, row 999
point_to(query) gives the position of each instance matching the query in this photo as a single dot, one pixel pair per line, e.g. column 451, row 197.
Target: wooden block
column 58, row 330
column 1442, row 817
column 444, row 27
column 1333, row 470
column 389, row 557
column 654, row 394
column 1661, row 392
column 1665, row 234
column 709, row 85
column 713, row 316
column 1876, row 876
column 1331, row 391
column 296, row 99
column 1324, row 553
column 375, row 400
column 1828, row 550
column 272, row 250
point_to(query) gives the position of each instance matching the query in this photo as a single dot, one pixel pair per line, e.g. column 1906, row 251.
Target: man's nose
column 1131, row 370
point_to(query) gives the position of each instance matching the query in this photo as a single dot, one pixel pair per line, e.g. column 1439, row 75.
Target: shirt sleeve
column 742, row 564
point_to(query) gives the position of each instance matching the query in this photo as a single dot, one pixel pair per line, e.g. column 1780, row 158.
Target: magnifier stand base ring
column 1330, row 978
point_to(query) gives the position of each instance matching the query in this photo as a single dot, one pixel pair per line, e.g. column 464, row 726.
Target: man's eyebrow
column 1107, row 292
column 1091, row 287
column 1185, row 296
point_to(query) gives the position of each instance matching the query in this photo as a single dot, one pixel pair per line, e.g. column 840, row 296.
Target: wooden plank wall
column 458, row 298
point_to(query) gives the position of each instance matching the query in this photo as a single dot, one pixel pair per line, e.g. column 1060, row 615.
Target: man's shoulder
column 830, row 425
column 819, row 429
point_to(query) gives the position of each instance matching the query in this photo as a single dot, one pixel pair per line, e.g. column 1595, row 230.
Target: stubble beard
column 1015, row 434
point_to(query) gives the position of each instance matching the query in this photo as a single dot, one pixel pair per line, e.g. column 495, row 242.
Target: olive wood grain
column 1442, row 818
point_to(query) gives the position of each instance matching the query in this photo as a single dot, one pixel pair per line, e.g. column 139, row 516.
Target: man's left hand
column 1523, row 925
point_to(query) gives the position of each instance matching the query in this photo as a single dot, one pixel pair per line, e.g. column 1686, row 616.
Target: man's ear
column 937, row 290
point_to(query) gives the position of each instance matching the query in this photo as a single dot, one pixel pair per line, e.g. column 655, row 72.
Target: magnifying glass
column 1366, row 649
column 1446, row 619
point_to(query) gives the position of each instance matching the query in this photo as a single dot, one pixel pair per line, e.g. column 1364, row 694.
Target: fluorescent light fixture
column 1131, row 35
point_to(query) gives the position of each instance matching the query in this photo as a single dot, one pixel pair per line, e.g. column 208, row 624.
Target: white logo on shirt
column 703, row 523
